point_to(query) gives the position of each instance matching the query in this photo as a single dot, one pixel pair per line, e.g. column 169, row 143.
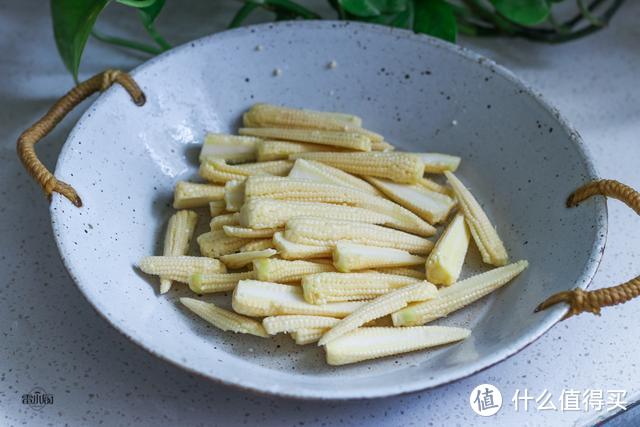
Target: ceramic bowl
column 519, row 157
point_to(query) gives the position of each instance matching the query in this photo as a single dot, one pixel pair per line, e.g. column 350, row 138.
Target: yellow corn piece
column 403, row 168
column 220, row 221
column 261, row 299
column 299, row 190
column 445, row 260
column 429, row 205
column 267, row 115
column 249, row 233
column 221, row 282
column 372, row 343
column 216, row 243
column 209, row 170
column 484, row 234
column 381, row 145
column 232, row 148
column 241, row 259
column 180, row 268
column 308, row 170
column 177, row 239
column 458, row 295
column 217, row 207
column 401, row 271
column 350, row 140
column 258, row 245
column 283, row 271
column 379, row 307
column 438, row 163
column 233, row 195
column 273, row 213
column 434, row 186
column 308, row 336
column 194, row 195
column 291, row 251
column 322, row 288
column 224, row 319
column 313, row 231
column 218, row 171
column 291, row 323
column 351, row 256
column 280, row 150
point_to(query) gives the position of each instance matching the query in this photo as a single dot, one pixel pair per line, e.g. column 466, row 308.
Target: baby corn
column 221, row 282
column 381, row 306
column 180, row 268
column 484, row 234
column 429, row 205
column 254, row 298
column 177, row 238
column 217, row 207
column 341, row 139
column 220, row 221
column 438, row 163
column 434, row 186
column 308, row 336
column 371, row 343
column 218, row 171
column 399, row 167
column 257, row 245
column 241, row 259
column 280, row 150
column 313, row 231
column 194, row 195
column 233, row 195
column 232, row 148
column 351, row 256
column 249, row 233
column 322, row 288
column 309, row 170
column 216, row 243
column 267, row 115
column 445, row 260
column 283, row 271
column 400, row 271
column 224, row 319
column 458, row 295
column 291, row 251
column 291, row 323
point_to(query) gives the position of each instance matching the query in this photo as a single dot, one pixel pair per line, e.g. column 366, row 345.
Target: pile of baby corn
column 321, row 231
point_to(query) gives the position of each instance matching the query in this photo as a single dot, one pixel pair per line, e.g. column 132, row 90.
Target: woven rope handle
column 592, row 301
column 41, row 128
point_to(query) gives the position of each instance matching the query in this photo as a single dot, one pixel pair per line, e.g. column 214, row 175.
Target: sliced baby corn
column 220, row 282
column 322, row 288
column 257, row 245
column 220, row 221
column 280, row 150
column 272, row 187
column 271, row 213
column 372, row 343
column 194, row 195
column 254, row 298
column 267, row 115
column 314, row 231
column 434, row 186
column 308, row 336
column 352, row 256
column 217, row 207
column 232, row 148
column 291, row 323
column 219, row 171
column 249, row 233
column 484, row 234
column 283, row 271
column 241, row 259
column 216, row 243
column 458, row 295
column 402, row 271
column 177, row 238
column 180, row 268
column 429, row 205
column 233, row 195
column 309, row 170
column 291, row 251
column 445, row 260
column 438, row 163
column 350, row 140
column 380, row 145
column 403, row 168
column 224, row 319
column 381, row 306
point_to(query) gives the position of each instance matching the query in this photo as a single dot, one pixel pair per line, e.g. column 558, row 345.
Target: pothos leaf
column 368, row 8
column 72, row 24
column 150, row 13
column 435, row 18
column 524, row 12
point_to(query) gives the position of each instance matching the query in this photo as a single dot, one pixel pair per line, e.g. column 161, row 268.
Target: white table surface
column 50, row 337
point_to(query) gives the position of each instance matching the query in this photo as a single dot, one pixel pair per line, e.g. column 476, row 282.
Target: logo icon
column 37, row 398
column 485, row 400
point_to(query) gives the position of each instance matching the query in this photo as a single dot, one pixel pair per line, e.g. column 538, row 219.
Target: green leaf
column 368, row 8
column 524, row 12
column 72, row 24
column 137, row 3
column 435, row 18
column 291, row 7
column 242, row 14
column 151, row 12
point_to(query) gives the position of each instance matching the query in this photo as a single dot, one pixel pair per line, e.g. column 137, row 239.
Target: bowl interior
column 519, row 159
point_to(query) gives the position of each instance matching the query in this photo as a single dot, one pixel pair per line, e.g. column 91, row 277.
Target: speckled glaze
column 519, row 158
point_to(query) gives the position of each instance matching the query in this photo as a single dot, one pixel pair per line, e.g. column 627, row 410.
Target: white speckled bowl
column 519, row 157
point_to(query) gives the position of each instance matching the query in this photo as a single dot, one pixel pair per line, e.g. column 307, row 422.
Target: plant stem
column 242, row 14
column 151, row 30
column 130, row 44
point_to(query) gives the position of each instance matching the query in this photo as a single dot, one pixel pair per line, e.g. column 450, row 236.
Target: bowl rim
column 551, row 316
